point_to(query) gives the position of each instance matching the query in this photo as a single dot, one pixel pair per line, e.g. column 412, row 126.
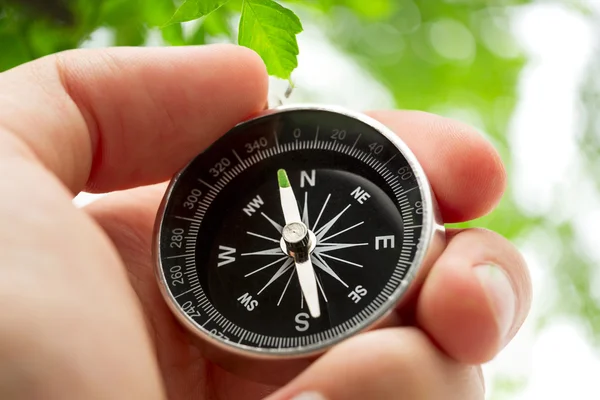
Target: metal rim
column 430, row 226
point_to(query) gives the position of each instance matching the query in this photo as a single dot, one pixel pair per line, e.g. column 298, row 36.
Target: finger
column 127, row 217
column 396, row 363
column 465, row 171
column 124, row 109
column 108, row 119
column 70, row 322
column 476, row 296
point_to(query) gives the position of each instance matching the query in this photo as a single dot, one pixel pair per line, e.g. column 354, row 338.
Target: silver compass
column 294, row 231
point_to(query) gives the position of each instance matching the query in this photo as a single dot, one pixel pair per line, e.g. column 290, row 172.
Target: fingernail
column 500, row 295
column 309, row 396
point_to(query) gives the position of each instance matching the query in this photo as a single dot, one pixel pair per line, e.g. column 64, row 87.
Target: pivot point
column 297, row 241
column 295, row 234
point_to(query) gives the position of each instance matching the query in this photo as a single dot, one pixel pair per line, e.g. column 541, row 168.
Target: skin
column 82, row 316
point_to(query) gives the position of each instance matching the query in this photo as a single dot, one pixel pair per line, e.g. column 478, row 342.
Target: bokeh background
column 525, row 73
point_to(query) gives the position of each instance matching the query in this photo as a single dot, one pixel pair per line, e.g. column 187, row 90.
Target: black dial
column 293, row 231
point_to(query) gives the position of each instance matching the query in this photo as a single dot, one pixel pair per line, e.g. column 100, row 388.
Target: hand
column 82, row 316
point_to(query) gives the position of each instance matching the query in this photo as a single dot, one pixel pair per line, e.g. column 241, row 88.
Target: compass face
column 293, row 231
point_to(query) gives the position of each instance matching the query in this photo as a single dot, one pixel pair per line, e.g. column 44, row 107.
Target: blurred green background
column 525, row 73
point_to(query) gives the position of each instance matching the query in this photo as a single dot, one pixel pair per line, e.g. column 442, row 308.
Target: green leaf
column 270, row 29
column 155, row 12
column 130, row 35
column 194, row 9
column 217, row 24
column 173, row 35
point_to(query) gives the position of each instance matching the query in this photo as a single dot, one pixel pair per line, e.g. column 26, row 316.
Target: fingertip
column 245, row 70
column 453, row 309
column 253, row 60
column 476, row 176
column 254, row 77
column 481, row 168
column 476, row 296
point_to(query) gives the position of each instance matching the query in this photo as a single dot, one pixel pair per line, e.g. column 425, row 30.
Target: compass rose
column 303, row 246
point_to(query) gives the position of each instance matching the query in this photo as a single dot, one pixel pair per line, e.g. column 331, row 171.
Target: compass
column 294, row 231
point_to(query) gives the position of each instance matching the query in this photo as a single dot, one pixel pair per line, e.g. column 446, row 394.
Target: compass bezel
column 431, row 243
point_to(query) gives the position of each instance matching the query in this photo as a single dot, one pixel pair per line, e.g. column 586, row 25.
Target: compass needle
column 308, row 283
column 289, row 205
column 309, row 201
column 297, row 239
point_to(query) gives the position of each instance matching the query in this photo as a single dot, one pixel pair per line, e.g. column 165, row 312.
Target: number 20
column 338, row 134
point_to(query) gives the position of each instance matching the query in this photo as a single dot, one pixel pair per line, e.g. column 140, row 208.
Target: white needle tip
column 308, row 283
column 314, row 309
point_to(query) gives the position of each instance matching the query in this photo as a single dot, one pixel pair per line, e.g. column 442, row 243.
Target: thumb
column 395, row 363
column 111, row 119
